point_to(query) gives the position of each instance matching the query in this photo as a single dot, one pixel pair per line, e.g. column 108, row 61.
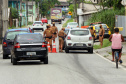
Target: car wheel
column 14, row 61
column 46, row 60
column 66, row 50
column 5, row 56
column 90, row 50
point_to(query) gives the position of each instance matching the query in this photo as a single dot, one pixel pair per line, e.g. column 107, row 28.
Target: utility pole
column 27, row 10
column 21, row 13
column 32, row 10
column 75, row 10
column 1, row 22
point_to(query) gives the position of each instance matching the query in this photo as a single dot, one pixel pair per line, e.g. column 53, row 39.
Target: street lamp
column 123, row 2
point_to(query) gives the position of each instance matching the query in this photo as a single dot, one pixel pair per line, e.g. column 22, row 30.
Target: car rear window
column 73, row 24
column 11, row 35
column 29, row 38
column 37, row 23
column 79, row 32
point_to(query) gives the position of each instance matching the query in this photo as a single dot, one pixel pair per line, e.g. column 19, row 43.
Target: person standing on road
column 55, row 31
column 48, row 34
column 61, row 35
column 101, row 35
column 92, row 33
column 116, row 40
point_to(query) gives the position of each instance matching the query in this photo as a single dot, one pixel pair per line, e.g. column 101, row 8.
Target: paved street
column 77, row 67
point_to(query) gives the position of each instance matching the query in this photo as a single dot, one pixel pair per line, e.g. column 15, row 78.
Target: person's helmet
column 47, row 25
column 53, row 23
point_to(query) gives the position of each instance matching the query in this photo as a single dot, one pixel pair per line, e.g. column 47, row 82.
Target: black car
column 29, row 46
column 9, row 38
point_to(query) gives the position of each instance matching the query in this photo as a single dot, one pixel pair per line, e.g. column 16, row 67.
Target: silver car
column 72, row 25
column 79, row 39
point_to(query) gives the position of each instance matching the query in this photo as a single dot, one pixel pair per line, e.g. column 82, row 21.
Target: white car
column 79, row 39
column 72, row 25
column 37, row 25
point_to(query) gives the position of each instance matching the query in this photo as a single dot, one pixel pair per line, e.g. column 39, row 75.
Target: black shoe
column 120, row 61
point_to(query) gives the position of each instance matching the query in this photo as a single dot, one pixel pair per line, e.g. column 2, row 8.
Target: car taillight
column 44, row 44
column 41, row 24
column 33, row 24
column 68, row 38
column 90, row 38
column 17, row 45
column 4, row 44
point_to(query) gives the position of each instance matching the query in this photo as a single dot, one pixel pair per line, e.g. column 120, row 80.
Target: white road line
column 120, row 66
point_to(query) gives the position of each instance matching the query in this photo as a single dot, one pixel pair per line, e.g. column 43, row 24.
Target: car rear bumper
column 6, row 51
column 54, row 20
column 78, row 48
column 23, row 54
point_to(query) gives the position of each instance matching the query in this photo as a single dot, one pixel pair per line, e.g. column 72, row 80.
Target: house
column 85, row 11
column 17, row 5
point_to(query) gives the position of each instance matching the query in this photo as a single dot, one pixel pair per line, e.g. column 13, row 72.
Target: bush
column 14, row 13
column 107, row 17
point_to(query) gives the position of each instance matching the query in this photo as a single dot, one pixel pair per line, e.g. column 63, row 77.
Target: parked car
column 96, row 27
column 79, row 39
column 44, row 20
column 37, row 25
column 9, row 38
column 29, row 46
column 72, row 25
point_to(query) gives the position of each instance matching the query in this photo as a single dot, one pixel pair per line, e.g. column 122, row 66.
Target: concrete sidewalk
column 107, row 53
column 1, row 48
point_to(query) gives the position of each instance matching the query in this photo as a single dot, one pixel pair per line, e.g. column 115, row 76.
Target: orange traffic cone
column 49, row 50
column 54, row 48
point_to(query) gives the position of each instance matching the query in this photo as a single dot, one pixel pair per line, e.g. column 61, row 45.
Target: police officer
column 61, row 35
column 101, row 35
column 48, row 34
column 55, row 31
column 92, row 32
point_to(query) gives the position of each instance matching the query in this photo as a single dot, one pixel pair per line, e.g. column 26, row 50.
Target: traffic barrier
column 54, row 48
column 49, row 50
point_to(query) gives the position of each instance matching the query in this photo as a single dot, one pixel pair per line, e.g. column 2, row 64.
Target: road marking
column 121, row 66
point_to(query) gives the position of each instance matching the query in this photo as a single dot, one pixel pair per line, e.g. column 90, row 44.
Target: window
column 30, row 6
column 79, row 32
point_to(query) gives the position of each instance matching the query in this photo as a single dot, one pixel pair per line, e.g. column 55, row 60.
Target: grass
column 30, row 23
column 69, row 20
column 106, row 43
column 88, row 2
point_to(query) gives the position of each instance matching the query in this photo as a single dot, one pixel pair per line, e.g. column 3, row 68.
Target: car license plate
column 31, row 53
column 79, row 44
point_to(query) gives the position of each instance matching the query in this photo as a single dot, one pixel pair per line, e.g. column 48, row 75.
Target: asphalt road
column 77, row 67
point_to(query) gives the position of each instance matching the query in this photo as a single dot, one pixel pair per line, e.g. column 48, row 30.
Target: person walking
column 61, row 35
column 101, row 35
column 55, row 31
column 116, row 40
column 92, row 33
column 48, row 34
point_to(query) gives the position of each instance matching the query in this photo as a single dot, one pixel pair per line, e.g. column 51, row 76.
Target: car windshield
column 73, row 24
column 97, row 27
column 79, row 32
column 11, row 35
column 37, row 22
column 104, row 26
column 29, row 38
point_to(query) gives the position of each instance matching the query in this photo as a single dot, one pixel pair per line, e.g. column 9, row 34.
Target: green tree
column 14, row 13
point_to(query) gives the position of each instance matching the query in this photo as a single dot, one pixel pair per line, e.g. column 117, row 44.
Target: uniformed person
column 48, row 34
column 55, row 31
column 61, row 35
column 101, row 35
column 92, row 32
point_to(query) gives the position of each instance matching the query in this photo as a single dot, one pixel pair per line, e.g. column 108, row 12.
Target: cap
column 63, row 28
column 53, row 23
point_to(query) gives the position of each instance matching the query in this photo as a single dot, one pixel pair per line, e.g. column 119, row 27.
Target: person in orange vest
column 61, row 35
column 48, row 34
column 55, row 31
